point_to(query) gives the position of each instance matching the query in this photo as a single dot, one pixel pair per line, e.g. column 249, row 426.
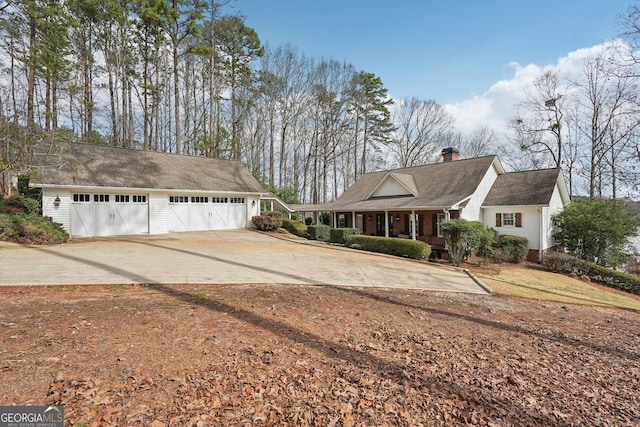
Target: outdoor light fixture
column 370, row 217
column 56, row 202
column 397, row 217
column 253, row 203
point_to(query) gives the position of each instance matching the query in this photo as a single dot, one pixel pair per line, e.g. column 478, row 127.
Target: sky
column 460, row 53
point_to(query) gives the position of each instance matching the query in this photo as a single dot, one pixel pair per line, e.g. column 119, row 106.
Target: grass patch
column 532, row 283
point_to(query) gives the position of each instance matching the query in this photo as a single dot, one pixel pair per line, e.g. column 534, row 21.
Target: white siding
column 158, row 213
column 472, row 211
column 390, row 187
column 60, row 214
column 555, row 206
column 530, row 222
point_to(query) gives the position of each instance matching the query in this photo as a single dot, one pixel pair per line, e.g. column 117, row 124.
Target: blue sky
column 449, row 50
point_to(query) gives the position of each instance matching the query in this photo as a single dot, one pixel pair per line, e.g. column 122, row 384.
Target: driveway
column 219, row 257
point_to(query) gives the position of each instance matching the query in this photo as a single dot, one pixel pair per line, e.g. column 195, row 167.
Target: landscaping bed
column 315, row 355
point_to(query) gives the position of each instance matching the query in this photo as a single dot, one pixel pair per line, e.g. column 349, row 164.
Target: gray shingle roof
column 523, row 188
column 439, row 185
column 101, row 166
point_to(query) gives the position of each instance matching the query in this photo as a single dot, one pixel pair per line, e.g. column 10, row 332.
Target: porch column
column 353, row 219
column 413, row 225
column 334, row 219
column 386, row 224
column 271, row 206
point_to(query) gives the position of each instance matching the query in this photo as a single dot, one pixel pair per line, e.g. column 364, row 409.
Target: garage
column 110, row 191
column 198, row 213
column 109, row 214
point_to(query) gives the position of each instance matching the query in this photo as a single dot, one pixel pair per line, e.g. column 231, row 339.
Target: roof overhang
column 138, row 189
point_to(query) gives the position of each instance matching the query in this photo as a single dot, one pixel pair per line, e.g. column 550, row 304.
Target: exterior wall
column 530, row 222
column 253, row 209
column 472, row 211
column 555, row 206
column 61, row 213
column 158, row 213
column 390, row 187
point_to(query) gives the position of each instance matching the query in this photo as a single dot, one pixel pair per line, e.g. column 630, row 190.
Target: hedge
column 510, row 248
column 339, row 235
column 564, row 263
column 319, row 232
column 295, row 227
column 19, row 204
column 393, row 246
column 266, row 223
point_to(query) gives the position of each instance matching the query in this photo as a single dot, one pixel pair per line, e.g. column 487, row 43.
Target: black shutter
column 498, row 220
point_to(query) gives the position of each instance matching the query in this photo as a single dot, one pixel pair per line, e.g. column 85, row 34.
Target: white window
column 81, row 198
column 508, row 220
column 441, row 218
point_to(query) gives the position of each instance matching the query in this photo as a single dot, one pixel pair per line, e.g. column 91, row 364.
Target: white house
column 413, row 202
column 94, row 190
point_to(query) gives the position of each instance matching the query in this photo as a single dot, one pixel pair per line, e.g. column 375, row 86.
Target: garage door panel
column 81, row 220
column 178, row 217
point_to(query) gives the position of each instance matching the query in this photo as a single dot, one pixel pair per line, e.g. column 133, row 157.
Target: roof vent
column 450, row 154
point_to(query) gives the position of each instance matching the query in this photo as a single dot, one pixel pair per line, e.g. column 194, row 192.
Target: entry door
column 380, row 225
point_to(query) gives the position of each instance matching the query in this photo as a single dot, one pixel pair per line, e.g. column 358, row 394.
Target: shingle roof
column 439, row 185
column 533, row 187
column 101, row 166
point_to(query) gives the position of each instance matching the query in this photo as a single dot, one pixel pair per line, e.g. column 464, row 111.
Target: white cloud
column 494, row 107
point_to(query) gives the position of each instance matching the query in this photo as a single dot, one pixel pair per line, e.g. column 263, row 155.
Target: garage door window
column 219, row 200
column 237, row 200
column 104, row 198
column 81, row 198
column 122, row 198
column 139, row 198
column 199, row 199
column 178, row 199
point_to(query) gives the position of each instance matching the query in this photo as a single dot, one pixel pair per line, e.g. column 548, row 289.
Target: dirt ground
column 312, row 355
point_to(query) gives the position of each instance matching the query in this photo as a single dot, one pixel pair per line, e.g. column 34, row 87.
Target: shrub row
column 564, row 263
column 339, row 235
column 31, row 229
column 295, row 227
column 266, row 223
column 319, row 232
column 400, row 247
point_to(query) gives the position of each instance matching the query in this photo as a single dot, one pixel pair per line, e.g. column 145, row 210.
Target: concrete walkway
column 217, row 257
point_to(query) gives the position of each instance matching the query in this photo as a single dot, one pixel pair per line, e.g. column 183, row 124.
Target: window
column 139, row 198
column 342, row 221
column 237, row 200
column 81, row 198
column 103, row 198
column 178, row 199
column 199, row 199
column 439, row 220
column 508, row 219
column 122, row 198
column 219, row 200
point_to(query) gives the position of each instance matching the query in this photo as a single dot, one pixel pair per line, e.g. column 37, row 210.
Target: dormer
column 394, row 185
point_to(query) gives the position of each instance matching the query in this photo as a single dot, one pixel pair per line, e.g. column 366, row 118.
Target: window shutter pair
column 518, row 219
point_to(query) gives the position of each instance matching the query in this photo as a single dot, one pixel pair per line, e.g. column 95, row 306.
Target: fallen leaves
column 382, row 359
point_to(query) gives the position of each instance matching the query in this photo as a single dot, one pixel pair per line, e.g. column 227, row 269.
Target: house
column 94, row 190
column 413, row 202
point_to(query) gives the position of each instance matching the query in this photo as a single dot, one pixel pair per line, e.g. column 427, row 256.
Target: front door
column 380, row 225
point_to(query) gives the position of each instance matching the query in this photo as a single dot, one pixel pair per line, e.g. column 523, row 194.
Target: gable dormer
column 394, row 185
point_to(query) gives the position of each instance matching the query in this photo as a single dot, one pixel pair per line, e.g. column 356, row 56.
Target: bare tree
column 421, row 127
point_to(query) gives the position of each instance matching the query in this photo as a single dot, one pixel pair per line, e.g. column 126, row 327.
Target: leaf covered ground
column 310, row 355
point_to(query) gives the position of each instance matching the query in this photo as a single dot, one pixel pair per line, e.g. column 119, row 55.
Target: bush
column 508, row 248
column 463, row 238
column 564, row 263
column 339, row 235
column 308, row 220
column 31, row 229
column 19, row 204
column 272, row 214
column 319, row 232
column 399, row 247
column 266, row 223
column 295, row 227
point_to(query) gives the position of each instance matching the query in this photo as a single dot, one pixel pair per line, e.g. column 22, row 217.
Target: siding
column 472, row 211
column 555, row 205
column 60, row 214
column 530, row 223
column 158, row 213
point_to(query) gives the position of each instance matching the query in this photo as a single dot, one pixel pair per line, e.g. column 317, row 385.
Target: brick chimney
column 450, row 155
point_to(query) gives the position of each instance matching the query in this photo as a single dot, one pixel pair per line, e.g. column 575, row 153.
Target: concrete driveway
column 216, row 257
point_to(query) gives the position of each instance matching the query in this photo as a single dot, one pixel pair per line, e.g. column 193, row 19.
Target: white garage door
column 109, row 214
column 196, row 213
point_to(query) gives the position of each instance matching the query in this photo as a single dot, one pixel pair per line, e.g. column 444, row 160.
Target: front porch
column 421, row 225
